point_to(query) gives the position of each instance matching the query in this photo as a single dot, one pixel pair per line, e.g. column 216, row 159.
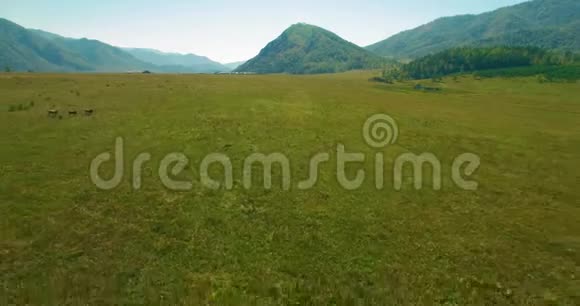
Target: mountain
column 234, row 65
column 103, row 57
column 22, row 49
column 178, row 62
column 307, row 49
column 551, row 24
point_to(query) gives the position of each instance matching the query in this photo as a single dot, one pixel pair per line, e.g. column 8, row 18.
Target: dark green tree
column 467, row 59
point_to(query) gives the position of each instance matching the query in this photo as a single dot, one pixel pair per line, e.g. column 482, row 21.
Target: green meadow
column 515, row 240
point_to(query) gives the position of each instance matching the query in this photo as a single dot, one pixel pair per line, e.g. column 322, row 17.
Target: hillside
column 103, row 57
column 22, row 49
column 551, row 24
column 307, row 49
column 180, row 62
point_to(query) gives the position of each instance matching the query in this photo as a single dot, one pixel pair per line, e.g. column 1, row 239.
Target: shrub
column 20, row 107
column 541, row 78
column 381, row 80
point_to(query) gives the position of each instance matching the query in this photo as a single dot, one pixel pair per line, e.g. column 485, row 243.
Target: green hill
column 22, row 49
column 550, row 24
column 307, row 49
column 103, row 57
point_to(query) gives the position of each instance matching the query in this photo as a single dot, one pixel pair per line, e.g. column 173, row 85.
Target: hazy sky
column 227, row 30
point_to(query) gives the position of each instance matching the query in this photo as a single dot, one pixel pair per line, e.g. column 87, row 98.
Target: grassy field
column 516, row 240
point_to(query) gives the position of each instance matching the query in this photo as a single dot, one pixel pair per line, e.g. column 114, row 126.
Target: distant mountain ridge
column 184, row 62
column 23, row 49
column 550, row 24
column 307, row 49
column 303, row 48
column 234, row 65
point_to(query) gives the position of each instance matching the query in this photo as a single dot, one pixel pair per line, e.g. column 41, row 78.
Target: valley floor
column 515, row 240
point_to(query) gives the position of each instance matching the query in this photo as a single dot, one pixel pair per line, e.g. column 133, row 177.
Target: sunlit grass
column 515, row 240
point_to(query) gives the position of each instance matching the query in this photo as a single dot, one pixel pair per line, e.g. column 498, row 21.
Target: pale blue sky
column 226, row 30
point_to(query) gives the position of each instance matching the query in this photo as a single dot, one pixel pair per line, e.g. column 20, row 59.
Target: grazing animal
column 89, row 112
column 72, row 113
column 53, row 113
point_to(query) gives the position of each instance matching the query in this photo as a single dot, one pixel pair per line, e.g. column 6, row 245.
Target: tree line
column 468, row 59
